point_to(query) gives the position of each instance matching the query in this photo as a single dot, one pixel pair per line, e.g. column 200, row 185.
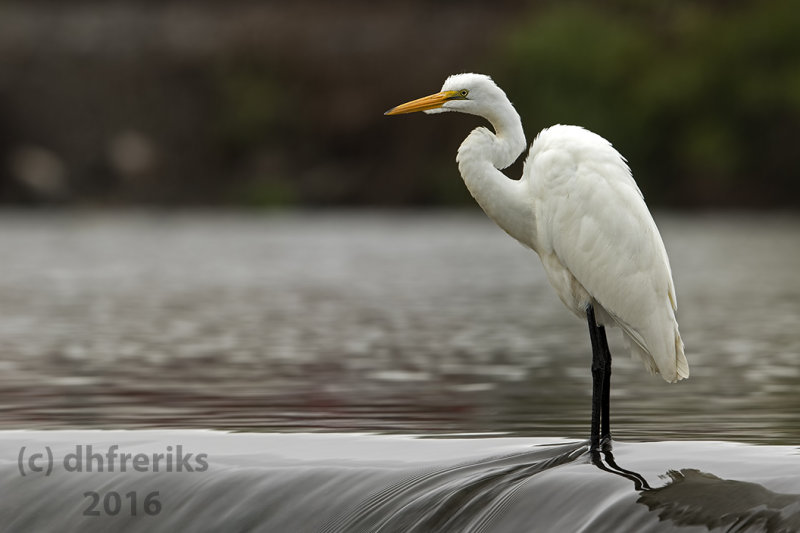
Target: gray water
column 400, row 322
column 381, row 372
column 348, row 483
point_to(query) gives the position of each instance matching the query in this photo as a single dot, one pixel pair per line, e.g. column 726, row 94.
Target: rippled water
column 419, row 322
column 355, row 483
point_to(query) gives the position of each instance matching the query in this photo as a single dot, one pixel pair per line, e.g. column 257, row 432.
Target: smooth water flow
column 353, row 483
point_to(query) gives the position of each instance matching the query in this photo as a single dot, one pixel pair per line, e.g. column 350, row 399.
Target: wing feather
column 593, row 218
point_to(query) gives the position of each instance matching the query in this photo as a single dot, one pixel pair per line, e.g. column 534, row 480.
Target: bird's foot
column 600, row 444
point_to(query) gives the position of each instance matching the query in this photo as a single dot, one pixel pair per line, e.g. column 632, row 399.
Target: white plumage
column 578, row 207
column 599, row 244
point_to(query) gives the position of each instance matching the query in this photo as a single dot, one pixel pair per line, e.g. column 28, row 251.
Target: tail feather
column 682, row 365
column 637, row 352
column 671, row 362
column 657, row 343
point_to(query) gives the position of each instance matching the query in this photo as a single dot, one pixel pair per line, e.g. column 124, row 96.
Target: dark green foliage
column 704, row 101
column 263, row 103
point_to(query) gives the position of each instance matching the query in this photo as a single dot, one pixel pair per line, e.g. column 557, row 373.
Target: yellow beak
column 422, row 104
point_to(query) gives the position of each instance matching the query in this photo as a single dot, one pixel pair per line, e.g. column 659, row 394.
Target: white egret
column 578, row 207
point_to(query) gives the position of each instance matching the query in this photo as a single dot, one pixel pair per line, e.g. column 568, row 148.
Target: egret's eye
column 463, row 93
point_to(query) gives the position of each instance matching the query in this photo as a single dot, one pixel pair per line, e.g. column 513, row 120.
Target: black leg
column 605, row 418
column 601, row 382
column 597, row 381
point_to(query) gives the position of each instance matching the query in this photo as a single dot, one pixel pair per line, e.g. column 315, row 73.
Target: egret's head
column 475, row 94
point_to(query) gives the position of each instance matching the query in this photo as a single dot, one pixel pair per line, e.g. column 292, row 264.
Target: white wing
column 599, row 243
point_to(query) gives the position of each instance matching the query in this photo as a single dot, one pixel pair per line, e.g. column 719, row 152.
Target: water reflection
column 698, row 498
column 604, row 460
column 695, row 498
column 477, row 497
column 384, row 483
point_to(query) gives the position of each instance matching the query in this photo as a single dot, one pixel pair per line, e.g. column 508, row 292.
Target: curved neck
column 480, row 158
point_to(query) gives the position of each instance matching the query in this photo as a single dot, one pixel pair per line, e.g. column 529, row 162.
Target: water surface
column 331, row 483
column 419, row 322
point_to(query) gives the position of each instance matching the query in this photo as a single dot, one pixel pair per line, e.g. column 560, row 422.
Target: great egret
column 578, row 207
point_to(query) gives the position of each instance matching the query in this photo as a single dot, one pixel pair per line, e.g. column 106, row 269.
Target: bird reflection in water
column 695, row 498
column 507, row 493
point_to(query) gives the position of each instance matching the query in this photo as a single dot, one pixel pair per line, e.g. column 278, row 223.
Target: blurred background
column 244, row 103
column 256, row 309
